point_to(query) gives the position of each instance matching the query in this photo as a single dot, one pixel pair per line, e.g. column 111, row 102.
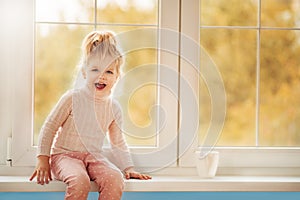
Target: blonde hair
column 100, row 44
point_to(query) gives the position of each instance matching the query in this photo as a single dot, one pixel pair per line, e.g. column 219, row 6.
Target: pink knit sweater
column 80, row 122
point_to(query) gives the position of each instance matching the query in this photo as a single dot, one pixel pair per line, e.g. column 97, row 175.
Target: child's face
column 101, row 76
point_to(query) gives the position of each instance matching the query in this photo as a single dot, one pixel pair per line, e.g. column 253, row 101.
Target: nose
column 101, row 77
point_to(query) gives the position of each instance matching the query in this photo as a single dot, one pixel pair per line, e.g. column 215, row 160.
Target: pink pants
column 78, row 169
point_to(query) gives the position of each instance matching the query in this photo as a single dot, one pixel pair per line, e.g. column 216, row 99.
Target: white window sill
column 168, row 183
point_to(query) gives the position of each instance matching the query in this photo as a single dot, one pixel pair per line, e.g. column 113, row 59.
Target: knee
column 113, row 179
column 80, row 182
column 118, row 178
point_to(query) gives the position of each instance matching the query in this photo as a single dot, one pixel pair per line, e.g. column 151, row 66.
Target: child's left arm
column 120, row 149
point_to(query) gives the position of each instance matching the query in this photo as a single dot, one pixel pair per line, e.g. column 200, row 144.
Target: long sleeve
column 54, row 121
column 120, row 151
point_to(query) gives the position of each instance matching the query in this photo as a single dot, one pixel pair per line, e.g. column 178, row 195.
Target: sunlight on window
column 124, row 11
column 63, row 11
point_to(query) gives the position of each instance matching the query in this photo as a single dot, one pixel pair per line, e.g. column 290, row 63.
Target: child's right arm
column 42, row 171
column 54, row 121
column 51, row 125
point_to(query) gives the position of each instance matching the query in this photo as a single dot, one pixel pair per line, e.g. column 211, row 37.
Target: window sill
column 168, row 183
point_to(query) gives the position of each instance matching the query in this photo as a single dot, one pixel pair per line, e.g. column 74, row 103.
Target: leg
column 73, row 172
column 109, row 181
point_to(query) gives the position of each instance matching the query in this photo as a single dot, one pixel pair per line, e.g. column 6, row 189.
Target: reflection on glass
column 204, row 111
column 280, row 88
column 278, row 13
column 236, row 61
column 140, row 123
column 64, row 10
column 229, row 12
column 128, row 11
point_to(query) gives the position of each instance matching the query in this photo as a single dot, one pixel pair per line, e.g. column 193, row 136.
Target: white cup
column 207, row 163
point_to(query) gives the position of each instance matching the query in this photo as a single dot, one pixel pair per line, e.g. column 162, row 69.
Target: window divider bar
column 95, row 17
column 257, row 107
column 95, row 24
column 179, row 81
column 251, row 27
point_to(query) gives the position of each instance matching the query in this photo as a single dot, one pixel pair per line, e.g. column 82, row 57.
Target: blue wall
column 162, row 195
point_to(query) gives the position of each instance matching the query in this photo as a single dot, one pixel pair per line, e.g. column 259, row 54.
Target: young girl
column 79, row 123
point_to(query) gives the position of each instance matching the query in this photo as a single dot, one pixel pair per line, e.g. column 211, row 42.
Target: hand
column 130, row 173
column 42, row 171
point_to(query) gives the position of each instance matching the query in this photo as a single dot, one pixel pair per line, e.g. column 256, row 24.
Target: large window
column 217, row 73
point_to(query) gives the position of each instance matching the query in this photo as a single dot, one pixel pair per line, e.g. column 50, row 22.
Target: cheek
column 113, row 79
column 92, row 77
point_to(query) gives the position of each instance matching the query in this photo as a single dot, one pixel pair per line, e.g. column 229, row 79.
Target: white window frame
column 19, row 27
column 6, row 57
column 18, row 125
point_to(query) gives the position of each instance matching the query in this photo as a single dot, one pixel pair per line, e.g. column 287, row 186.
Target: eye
column 94, row 70
column 109, row 72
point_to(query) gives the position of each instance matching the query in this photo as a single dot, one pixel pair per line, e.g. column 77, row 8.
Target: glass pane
column 280, row 88
column 279, row 13
column 64, row 10
column 229, row 12
column 236, row 61
column 128, row 11
column 56, row 57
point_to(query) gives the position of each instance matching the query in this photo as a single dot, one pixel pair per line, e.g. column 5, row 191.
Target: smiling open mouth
column 100, row 86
